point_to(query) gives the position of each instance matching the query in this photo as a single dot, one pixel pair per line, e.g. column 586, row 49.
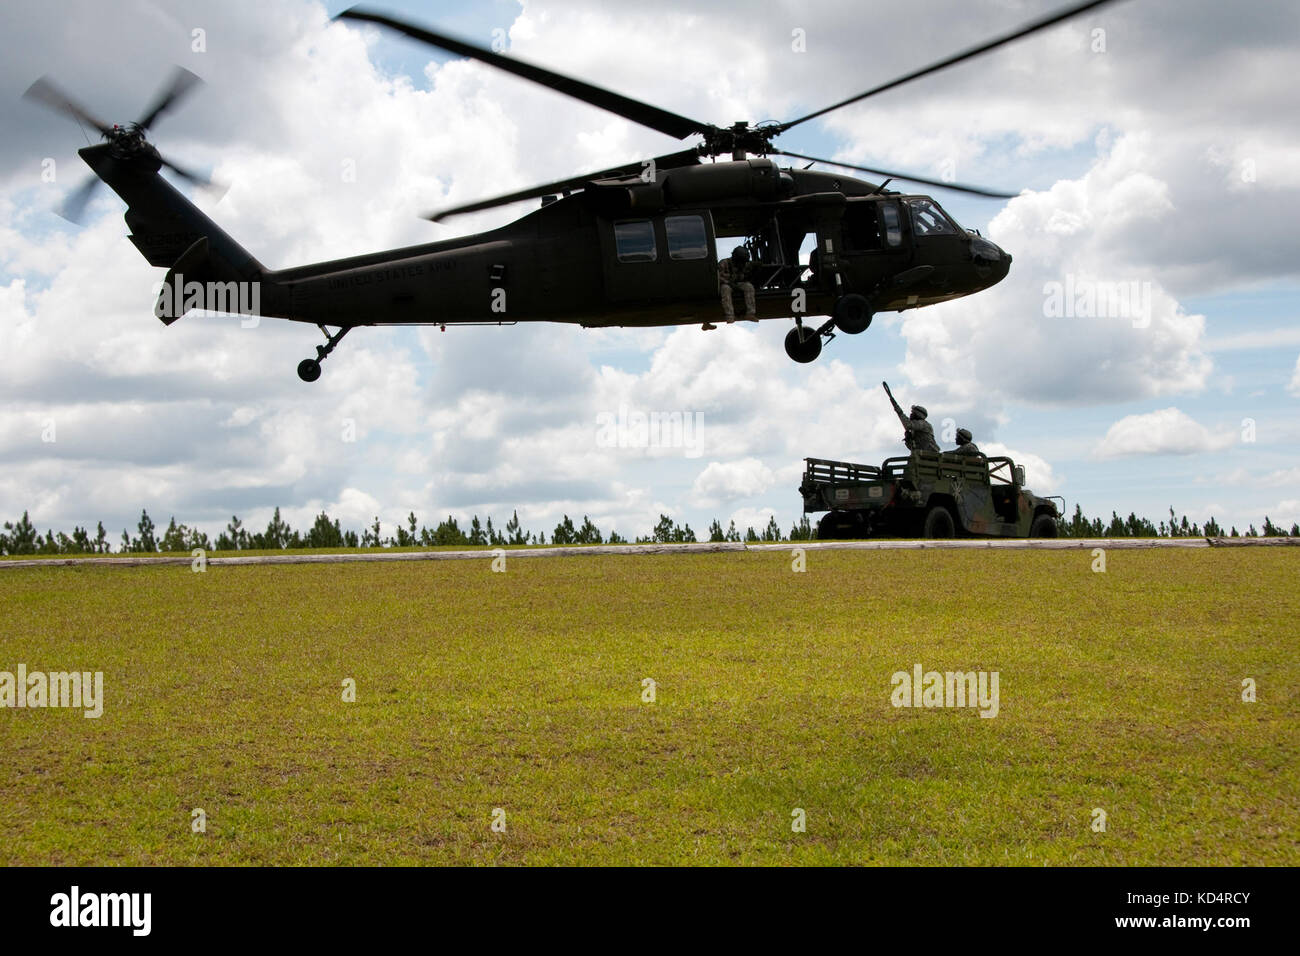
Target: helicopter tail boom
column 171, row 232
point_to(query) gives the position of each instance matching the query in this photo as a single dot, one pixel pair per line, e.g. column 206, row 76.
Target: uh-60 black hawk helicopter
column 635, row 245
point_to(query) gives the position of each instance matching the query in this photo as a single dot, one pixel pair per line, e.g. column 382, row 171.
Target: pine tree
column 173, row 538
column 22, row 537
column 715, row 531
column 564, row 532
column 146, row 529
column 236, row 533
column 589, row 533
column 513, row 533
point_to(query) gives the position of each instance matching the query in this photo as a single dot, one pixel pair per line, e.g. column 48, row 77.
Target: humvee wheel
column 852, row 313
column 938, row 523
column 840, row 524
column 1044, row 526
column 803, row 344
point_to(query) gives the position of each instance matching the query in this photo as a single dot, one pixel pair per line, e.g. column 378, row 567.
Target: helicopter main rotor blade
column 1032, row 27
column 49, row 95
column 626, row 107
column 182, row 82
column 687, row 157
column 74, row 206
column 907, row 177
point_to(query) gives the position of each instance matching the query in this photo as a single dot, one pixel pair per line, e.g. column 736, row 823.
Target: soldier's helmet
column 740, row 252
column 918, row 411
column 963, row 436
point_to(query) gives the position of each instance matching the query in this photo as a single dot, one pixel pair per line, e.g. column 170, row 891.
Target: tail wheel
column 938, row 523
column 803, row 344
column 1044, row 526
column 309, row 370
column 852, row 313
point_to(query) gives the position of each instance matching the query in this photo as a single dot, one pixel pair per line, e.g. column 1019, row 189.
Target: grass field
column 523, row 691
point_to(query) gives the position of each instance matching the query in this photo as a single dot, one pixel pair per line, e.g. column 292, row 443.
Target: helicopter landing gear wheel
column 802, row 344
column 852, row 313
column 309, row 369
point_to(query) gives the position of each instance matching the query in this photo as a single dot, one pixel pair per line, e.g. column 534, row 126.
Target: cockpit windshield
column 929, row 220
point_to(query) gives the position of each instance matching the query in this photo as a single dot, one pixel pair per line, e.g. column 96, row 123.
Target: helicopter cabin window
column 635, row 241
column 893, row 224
column 929, row 220
column 687, row 237
column 871, row 226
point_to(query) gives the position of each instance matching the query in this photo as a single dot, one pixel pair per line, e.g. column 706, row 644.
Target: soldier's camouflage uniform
column 968, row 448
column 919, row 436
column 733, row 273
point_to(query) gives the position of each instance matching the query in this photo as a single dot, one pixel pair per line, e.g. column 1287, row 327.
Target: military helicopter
column 635, row 245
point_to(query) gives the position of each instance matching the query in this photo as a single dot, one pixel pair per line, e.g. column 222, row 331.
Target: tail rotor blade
column 48, row 95
column 182, row 82
column 196, row 178
column 74, row 207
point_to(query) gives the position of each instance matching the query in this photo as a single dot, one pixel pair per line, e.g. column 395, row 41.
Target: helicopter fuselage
column 636, row 253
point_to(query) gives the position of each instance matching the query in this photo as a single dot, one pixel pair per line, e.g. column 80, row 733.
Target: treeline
column 21, row 536
column 1078, row 526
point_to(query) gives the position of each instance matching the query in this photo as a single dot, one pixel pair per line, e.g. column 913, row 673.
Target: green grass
column 522, row 691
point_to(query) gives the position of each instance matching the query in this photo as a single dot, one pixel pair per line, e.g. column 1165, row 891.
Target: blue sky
column 1132, row 157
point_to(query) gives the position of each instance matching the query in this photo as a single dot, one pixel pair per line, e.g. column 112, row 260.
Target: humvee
column 926, row 494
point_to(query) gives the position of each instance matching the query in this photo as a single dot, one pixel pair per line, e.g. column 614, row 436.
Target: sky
column 1155, row 148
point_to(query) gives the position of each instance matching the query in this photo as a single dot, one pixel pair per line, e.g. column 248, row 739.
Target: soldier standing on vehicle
column 918, row 435
column 964, row 444
column 734, row 272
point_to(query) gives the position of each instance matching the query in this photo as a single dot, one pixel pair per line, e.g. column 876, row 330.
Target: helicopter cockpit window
column 927, row 220
column 635, row 241
column 687, row 237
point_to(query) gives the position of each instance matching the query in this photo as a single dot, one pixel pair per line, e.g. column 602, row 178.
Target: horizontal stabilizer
column 170, row 305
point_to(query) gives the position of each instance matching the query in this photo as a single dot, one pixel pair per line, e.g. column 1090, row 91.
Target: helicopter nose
column 992, row 263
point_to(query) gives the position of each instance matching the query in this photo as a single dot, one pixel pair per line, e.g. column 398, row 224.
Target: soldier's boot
column 728, row 310
column 708, row 327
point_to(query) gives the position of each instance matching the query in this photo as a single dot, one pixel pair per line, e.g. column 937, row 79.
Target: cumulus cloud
column 726, row 481
column 1077, row 321
column 1039, row 475
column 1164, row 432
